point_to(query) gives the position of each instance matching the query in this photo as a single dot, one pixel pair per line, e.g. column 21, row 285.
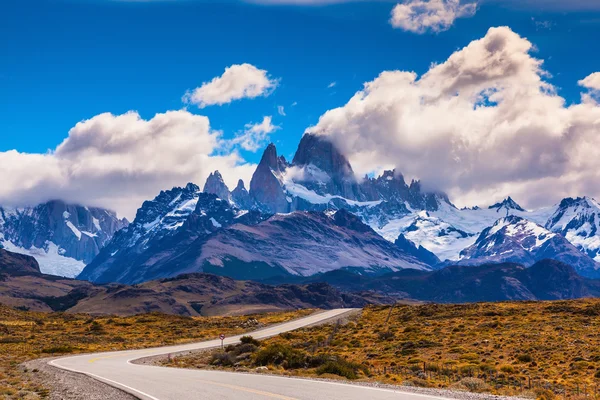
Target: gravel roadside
column 65, row 385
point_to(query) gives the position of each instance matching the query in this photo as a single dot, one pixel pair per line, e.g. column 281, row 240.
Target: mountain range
column 303, row 218
column 62, row 237
column 312, row 216
column 22, row 285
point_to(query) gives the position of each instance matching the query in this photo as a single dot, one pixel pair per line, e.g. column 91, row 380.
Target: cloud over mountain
column 482, row 124
column 118, row 161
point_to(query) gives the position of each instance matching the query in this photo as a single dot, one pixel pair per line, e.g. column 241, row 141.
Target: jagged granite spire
column 241, row 197
column 215, row 185
column 266, row 185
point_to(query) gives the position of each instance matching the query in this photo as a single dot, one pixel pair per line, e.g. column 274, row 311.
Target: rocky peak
column 241, row 198
column 507, row 204
column 266, row 185
column 270, row 158
column 215, row 185
column 323, row 154
column 182, row 199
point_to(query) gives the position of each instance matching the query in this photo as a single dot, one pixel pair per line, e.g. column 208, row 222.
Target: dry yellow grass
column 546, row 348
column 29, row 335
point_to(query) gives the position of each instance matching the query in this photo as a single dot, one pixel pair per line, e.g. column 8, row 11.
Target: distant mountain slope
column 578, row 220
column 22, row 285
column 217, row 237
column 545, row 280
column 515, row 239
column 62, row 237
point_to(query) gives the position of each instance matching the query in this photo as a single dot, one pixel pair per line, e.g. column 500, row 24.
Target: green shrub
column 249, row 340
column 473, row 385
column 222, row 359
column 278, row 354
column 58, row 349
column 341, row 367
column 525, row 358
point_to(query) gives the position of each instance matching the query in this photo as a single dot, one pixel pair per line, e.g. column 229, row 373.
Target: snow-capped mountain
column 321, row 181
column 578, row 220
column 62, row 237
column 515, row 239
column 448, row 230
column 218, row 237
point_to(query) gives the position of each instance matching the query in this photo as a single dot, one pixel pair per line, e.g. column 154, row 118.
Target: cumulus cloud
column 592, row 84
column 420, row 16
column 118, row 161
column 239, row 81
column 483, row 124
column 255, row 136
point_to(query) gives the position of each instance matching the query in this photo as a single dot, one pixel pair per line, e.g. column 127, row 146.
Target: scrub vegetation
column 537, row 349
column 28, row 335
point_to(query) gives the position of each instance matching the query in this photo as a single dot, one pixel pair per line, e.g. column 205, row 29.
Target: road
column 160, row 383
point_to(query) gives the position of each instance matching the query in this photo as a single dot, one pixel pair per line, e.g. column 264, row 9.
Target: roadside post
column 222, row 337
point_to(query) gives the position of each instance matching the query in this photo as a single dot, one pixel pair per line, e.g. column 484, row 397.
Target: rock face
column 241, row 198
column 215, row 185
column 515, row 239
column 326, row 170
column 419, row 252
column 266, row 185
column 62, row 237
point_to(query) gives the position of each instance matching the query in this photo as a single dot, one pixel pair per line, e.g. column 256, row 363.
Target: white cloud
column 483, row 124
column 420, row 16
column 254, row 136
column 331, row 85
column 281, row 111
column 118, row 161
column 239, row 81
column 592, row 83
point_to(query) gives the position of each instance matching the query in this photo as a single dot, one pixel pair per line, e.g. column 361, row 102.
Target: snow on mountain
column 320, row 179
column 578, row 220
column 515, row 239
column 435, row 235
column 62, row 237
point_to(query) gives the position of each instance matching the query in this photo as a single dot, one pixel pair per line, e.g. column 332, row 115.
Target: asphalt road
column 159, row 383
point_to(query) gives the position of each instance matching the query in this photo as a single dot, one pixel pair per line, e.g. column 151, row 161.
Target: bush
column 58, row 349
column 473, row 385
column 340, row 367
column 525, row 358
column 278, row 354
column 507, row 368
column 223, row 359
column 249, row 340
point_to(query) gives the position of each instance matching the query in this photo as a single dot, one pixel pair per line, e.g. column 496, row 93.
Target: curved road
column 159, row 383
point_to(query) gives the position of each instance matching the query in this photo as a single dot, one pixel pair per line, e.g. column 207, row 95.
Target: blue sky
column 66, row 61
